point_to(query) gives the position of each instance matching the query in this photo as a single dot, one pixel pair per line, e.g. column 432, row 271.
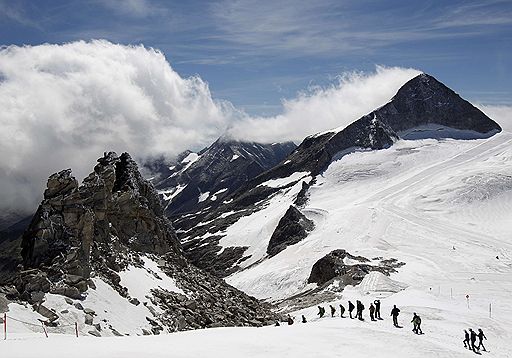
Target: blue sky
column 254, row 53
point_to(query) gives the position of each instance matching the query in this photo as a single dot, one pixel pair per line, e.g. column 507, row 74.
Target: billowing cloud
column 352, row 96
column 62, row 106
column 500, row 114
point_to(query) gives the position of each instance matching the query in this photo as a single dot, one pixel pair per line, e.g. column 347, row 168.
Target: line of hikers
column 470, row 340
column 359, row 307
column 469, row 337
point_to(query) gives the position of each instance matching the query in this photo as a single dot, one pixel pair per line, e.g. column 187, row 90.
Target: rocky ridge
column 95, row 231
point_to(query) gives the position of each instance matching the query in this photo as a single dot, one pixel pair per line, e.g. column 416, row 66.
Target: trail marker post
column 76, row 329
column 467, row 299
column 44, row 329
column 490, row 310
column 5, row 326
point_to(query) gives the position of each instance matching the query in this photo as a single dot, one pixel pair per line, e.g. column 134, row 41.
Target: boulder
column 94, row 333
column 89, row 311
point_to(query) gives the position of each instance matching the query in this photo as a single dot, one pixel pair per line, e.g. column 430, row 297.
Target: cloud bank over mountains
column 64, row 105
column 318, row 109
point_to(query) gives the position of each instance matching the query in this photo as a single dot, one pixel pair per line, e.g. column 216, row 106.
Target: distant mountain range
column 422, row 108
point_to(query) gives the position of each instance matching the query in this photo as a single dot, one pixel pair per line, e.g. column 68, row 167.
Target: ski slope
column 414, row 202
column 444, row 207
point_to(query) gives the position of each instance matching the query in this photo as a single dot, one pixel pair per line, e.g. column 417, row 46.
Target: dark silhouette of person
column 395, row 312
column 360, row 308
column 377, row 309
column 333, row 310
column 372, row 312
column 277, row 324
column 350, row 308
column 304, row 319
column 466, row 342
column 416, row 322
column 290, row 320
column 473, row 336
column 481, row 337
column 321, row 311
column 342, row 310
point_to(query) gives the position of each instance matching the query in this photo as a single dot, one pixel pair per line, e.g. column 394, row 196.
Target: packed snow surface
column 443, row 322
column 203, row 196
column 170, row 194
column 141, row 280
column 276, row 183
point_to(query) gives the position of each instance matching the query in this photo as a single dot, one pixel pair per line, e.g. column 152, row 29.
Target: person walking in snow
column 304, row 319
column 481, row 337
column 342, row 310
column 416, row 322
column 321, row 311
column 360, row 308
column 377, row 309
column 372, row 312
column 290, row 320
column 466, row 342
column 395, row 312
column 472, row 335
column 350, row 308
column 333, row 310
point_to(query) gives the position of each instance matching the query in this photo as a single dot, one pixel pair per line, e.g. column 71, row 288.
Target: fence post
column 44, row 330
column 76, row 329
column 5, row 326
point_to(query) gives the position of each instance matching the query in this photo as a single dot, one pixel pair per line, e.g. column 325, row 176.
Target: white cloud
column 64, row 105
column 500, row 114
column 354, row 95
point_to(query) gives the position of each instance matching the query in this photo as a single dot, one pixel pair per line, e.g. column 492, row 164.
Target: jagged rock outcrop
column 77, row 229
column 335, row 265
column 108, row 224
column 292, row 228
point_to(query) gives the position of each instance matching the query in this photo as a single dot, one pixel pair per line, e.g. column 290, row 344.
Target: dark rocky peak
column 205, row 179
column 425, row 101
